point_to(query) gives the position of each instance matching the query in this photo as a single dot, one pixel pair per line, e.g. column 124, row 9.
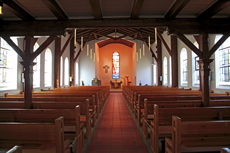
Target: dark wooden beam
column 95, row 6
column 18, row 11
column 174, row 61
column 43, row 47
column 218, row 44
column 159, row 63
column 104, row 36
column 95, row 36
column 67, row 43
column 175, row 26
column 214, row 9
column 165, row 44
column 197, row 38
column 137, row 9
column 176, row 8
column 187, row 42
column 71, row 62
column 53, row 6
column 14, row 46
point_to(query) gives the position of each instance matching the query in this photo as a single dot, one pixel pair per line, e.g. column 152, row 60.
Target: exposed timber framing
column 174, row 26
column 18, row 11
column 137, row 9
column 95, row 6
column 43, row 47
column 165, row 44
column 176, row 8
column 214, row 9
column 67, row 43
column 55, row 9
column 14, row 46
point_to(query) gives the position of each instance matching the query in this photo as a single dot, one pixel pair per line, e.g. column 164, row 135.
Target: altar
column 116, row 85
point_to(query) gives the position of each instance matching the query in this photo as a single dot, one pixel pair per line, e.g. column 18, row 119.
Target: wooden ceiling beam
column 95, row 6
column 137, row 9
column 53, row 6
column 18, row 11
column 214, row 9
column 176, row 8
column 67, row 43
column 165, row 44
column 175, row 26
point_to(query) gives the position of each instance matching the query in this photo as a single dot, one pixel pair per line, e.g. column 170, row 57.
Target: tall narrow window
column 184, row 68
column 116, row 65
column 66, row 76
column 165, row 71
column 222, row 57
column 61, row 72
column 48, row 68
column 76, row 74
column 154, row 74
column 36, row 69
column 195, row 67
column 8, row 65
column 170, row 71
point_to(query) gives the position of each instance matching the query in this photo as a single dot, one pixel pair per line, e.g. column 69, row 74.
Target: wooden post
column 204, row 68
column 57, row 62
column 159, row 63
column 28, row 72
column 174, row 61
column 72, row 62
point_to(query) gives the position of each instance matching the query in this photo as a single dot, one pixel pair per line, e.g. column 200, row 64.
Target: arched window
column 170, row 71
column 154, row 74
column 8, row 65
column 195, row 67
column 165, row 78
column 184, row 68
column 36, row 69
column 76, row 74
column 48, row 68
column 66, row 76
column 222, row 63
column 116, row 65
column 61, row 72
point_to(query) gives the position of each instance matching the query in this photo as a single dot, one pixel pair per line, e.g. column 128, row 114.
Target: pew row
column 84, row 111
column 197, row 136
column 41, row 136
column 73, row 128
column 161, row 126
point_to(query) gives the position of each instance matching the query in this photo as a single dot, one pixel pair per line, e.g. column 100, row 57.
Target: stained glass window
column 116, row 65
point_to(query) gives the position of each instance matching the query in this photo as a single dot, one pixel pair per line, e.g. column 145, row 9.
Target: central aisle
column 116, row 131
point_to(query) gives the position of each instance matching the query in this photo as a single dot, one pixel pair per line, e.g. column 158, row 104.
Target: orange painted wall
column 127, row 63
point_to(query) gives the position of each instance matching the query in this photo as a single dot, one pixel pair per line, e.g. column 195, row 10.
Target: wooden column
column 57, row 62
column 174, row 61
column 72, row 47
column 159, row 63
column 28, row 72
column 204, row 63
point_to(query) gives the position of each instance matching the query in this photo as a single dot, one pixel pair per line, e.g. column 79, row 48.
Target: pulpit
column 116, row 85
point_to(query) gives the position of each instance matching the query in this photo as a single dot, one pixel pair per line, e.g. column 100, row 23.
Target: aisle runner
column 116, row 131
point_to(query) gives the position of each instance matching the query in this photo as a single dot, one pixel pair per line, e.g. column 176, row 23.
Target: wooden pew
column 148, row 111
column 73, row 128
column 225, row 150
column 93, row 109
column 198, row 136
column 42, row 136
column 161, row 126
column 84, row 111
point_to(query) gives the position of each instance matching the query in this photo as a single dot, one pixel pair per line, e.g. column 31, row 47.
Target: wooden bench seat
column 73, row 128
column 84, row 111
column 93, row 107
column 42, row 136
column 198, row 136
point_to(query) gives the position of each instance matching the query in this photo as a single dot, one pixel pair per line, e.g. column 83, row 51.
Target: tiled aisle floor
column 116, row 131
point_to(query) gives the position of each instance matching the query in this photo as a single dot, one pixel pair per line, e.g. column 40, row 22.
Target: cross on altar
column 106, row 67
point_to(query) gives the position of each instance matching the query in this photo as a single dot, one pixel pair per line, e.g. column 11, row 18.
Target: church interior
column 114, row 76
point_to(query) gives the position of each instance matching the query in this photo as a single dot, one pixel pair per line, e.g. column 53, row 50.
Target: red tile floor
column 116, row 131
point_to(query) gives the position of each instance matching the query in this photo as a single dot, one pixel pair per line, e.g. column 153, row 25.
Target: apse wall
column 127, row 64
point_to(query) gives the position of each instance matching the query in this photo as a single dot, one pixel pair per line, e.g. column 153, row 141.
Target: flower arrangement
column 95, row 80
